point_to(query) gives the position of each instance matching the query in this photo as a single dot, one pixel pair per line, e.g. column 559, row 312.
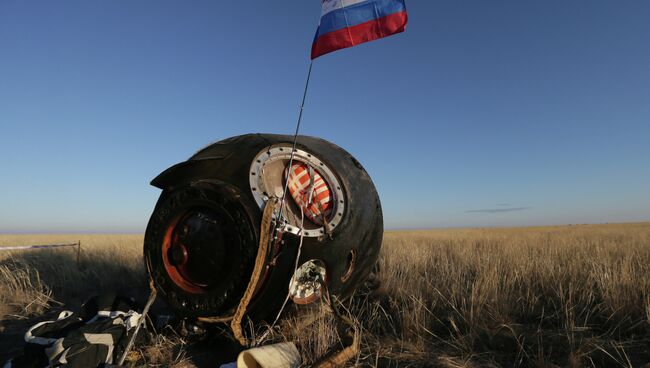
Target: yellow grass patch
column 546, row 296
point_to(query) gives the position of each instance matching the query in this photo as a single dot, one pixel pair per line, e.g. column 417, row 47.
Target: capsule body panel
column 209, row 214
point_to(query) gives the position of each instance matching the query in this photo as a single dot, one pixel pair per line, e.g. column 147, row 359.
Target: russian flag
column 346, row 23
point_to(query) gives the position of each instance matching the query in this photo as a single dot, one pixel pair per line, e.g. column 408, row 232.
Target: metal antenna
column 293, row 147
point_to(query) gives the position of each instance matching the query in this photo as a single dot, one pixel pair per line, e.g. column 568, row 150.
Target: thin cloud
column 499, row 210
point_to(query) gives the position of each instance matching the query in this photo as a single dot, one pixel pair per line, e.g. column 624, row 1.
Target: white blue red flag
column 347, row 23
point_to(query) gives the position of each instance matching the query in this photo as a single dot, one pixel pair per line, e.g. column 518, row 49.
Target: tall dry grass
column 106, row 263
column 572, row 296
column 569, row 296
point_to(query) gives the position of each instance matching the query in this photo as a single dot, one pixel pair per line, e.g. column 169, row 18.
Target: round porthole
column 315, row 196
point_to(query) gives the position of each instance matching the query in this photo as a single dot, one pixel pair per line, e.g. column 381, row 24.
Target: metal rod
column 150, row 301
column 79, row 254
column 293, row 147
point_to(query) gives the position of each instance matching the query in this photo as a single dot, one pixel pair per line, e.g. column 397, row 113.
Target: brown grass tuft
column 22, row 292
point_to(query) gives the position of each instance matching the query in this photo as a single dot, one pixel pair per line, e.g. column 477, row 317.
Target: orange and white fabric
column 301, row 179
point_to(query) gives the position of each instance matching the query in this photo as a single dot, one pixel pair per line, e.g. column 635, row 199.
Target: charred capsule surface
column 202, row 239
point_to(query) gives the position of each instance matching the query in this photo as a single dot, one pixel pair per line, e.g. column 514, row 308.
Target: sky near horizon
column 483, row 113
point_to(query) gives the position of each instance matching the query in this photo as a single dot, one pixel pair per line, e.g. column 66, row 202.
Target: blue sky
column 484, row 113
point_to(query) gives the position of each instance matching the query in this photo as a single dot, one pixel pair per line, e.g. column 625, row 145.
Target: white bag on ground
column 270, row 356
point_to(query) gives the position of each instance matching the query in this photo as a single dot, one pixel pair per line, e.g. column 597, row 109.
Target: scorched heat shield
column 203, row 236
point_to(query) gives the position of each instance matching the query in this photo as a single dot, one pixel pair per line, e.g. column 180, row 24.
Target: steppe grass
column 569, row 296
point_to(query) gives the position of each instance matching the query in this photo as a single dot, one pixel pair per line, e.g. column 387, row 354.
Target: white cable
column 295, row 268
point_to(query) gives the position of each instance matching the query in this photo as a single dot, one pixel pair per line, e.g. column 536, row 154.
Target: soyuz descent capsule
column 202, row 239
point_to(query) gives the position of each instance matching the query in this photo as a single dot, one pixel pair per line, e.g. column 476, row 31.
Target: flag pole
column 279, row 224
column 293, row 146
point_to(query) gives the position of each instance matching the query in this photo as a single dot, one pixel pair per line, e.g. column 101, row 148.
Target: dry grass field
column 570, row 296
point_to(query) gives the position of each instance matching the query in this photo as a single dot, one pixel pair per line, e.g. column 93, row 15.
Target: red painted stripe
column 364, row 32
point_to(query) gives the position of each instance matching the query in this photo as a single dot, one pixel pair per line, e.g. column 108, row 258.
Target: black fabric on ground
column 96, row 335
